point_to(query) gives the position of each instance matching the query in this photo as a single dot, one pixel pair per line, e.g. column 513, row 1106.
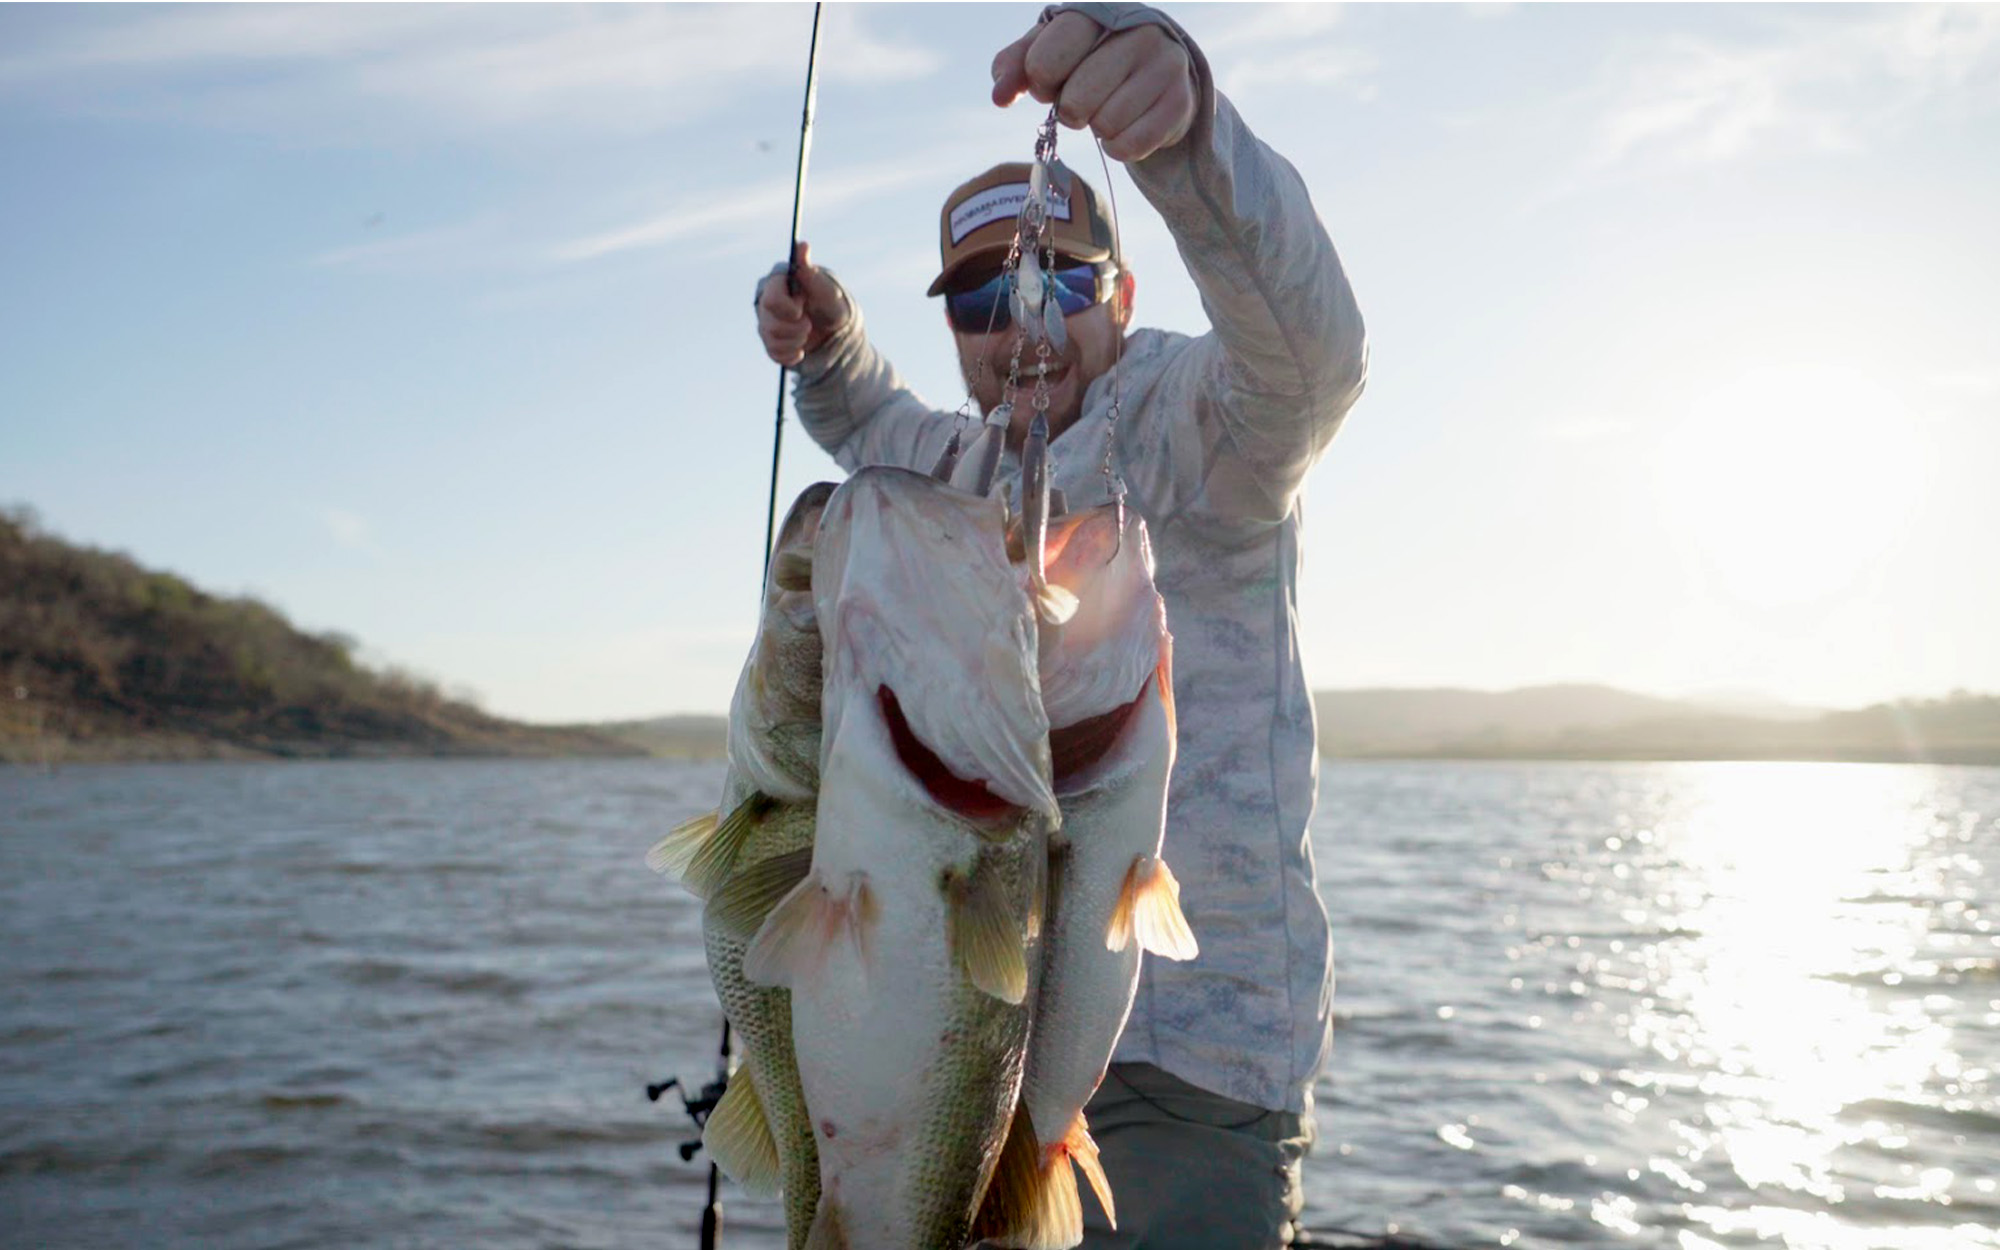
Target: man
column 1207, row 1108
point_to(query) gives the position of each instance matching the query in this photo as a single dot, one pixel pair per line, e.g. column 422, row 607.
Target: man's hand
column 794, row 325
column 1135, row 90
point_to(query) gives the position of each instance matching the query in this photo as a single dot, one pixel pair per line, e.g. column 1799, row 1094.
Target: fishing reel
column 697, row 1106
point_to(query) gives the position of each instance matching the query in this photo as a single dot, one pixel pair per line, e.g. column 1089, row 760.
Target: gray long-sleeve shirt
column 1214, row 439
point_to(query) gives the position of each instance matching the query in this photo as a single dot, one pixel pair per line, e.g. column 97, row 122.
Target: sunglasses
column 984, row 309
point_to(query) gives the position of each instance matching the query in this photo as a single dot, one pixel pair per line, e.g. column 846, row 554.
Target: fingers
column 793, row 324
column 1098, row 77
column 1152, row 110
column 784, row 338
column 1055, row 52
column 782, row 323
column 1135, row 90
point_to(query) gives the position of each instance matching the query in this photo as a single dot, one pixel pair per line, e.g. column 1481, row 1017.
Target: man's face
column 1094, row 336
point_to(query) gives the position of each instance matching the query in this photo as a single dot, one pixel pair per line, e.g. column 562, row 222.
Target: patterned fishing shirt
column 1214, row 440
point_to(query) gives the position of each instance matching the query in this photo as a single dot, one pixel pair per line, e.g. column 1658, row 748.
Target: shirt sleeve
column 853, row 403
column 1239, row 415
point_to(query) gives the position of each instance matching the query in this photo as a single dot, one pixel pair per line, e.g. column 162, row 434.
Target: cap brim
column 1088, row 255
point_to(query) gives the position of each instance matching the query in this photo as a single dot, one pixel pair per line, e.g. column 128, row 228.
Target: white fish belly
column 909, row 1070
column 1087, row 989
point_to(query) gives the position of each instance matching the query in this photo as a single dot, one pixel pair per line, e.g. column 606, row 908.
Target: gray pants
column 1191, row 1170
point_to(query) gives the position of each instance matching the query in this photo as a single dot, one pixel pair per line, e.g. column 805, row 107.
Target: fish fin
column 984, row 938
column 743, row 903
column 826, row 1232
column 1149, row 910
column 793, row 942
column 791, row 939
column 716, row 855
column 738, row 1137
column 792, row 570
column 1032, row 1202
column 671, row 854
column 1082, row 1151
column 1055, row 604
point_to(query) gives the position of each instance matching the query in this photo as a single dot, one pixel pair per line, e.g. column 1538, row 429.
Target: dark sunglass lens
column 980, row 310
column 1076, row 289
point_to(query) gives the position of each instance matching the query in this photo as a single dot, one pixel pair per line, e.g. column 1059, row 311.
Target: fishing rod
column 699, row 1107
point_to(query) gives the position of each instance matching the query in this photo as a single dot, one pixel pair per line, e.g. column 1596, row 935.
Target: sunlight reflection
column 1797, row 892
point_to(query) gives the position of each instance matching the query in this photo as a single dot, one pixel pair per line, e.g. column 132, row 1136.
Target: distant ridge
column 102, row 658
column 1600, row 722
column 1388, row 721
column 1573, row 721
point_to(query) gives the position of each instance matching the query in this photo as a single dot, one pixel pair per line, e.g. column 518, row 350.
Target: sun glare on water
column 1788, row 487
column 1807, row 898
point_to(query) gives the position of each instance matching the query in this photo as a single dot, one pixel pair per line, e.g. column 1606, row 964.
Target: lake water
column 415, row 1004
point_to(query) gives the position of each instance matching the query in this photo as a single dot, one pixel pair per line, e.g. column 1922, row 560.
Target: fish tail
column 1078, row 1147
column 1032, row 1202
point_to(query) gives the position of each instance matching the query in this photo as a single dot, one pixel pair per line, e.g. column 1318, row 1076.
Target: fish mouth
column 962, row 796
column 1077, row 748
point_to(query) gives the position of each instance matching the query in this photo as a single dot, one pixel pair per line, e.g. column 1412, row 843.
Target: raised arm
column 1287, row 358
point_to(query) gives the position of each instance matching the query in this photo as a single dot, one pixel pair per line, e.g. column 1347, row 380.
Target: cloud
column 470, row 242
column 759, row 205
column 1818, row 82
column 1280, row 45
column 330, row 72
column 348, row 529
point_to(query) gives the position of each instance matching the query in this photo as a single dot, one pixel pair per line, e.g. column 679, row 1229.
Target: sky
column 431, row 325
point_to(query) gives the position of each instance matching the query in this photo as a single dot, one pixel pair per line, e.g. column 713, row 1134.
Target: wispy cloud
column 348, row 529
column 441, row 246
column 324, row 71
column 759, row 204
column 1818, row 82
column 1279, row 45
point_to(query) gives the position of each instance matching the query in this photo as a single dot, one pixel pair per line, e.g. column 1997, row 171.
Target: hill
column 102, row 658
column 1559, row 722
column 1597, row 722
column 674, row 737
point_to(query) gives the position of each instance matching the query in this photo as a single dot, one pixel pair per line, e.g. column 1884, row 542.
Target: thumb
column 1010, row 69
column 822, row 294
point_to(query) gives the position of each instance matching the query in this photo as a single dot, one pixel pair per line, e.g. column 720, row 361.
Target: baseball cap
column 978, row 218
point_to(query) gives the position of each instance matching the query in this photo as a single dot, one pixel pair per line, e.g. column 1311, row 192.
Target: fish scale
column 762, row 1019
column 911, row 948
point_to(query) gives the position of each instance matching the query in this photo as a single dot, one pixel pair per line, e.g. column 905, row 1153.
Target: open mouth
column 967, row 797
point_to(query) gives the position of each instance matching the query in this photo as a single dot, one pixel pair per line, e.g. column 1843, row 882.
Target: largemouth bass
column 749, row 853
column 1107, row 686
column 912, row 948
